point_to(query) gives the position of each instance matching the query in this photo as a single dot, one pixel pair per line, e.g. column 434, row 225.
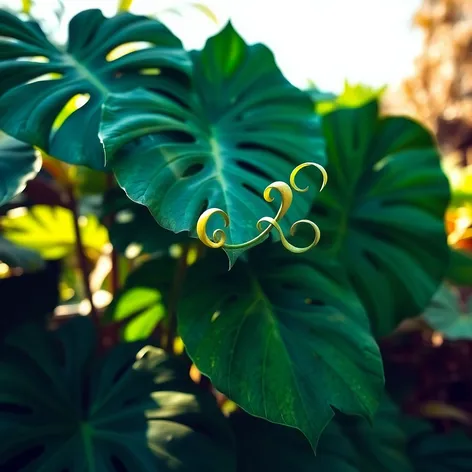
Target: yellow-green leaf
column 50, row 231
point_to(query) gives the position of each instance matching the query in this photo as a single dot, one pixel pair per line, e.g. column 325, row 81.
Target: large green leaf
column 355, row 447
column 64, row 409
column 284, row 337
column 141, row 304
column 433, row 451
column 382, row 212
column 29, row 108
column 242, row 127
column 133, row 230
column 18, row 164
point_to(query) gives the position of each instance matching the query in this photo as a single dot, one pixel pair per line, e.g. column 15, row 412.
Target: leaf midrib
column 87, row 74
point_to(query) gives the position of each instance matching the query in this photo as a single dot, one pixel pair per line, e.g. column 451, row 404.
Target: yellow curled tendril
column 218, row 239
column 302, row 166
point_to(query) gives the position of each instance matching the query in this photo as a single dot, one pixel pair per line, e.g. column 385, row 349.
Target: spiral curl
column 218, row 239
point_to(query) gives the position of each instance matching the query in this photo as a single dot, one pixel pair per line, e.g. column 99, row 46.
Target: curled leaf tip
column 218, row 239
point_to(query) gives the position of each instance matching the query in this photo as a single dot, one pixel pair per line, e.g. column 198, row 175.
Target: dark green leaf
column 141, row 304
column 243, row 127
column 18, row 164
column 133, row 229
column 284, row 337
column 460, row 268
column 432, row 451
column 382, row 212
column 354, row 447
column 29, row 109
column 71, row 411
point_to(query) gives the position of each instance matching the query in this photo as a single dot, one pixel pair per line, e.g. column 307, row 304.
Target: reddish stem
column 82, row 258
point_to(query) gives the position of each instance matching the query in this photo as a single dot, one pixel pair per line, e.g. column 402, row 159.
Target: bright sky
column 368, row 41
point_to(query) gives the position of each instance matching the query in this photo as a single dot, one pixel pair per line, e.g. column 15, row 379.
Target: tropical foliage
column 129, row 345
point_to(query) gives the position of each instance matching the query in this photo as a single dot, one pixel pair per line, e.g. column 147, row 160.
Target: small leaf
column 241, row 128
column 284, row 337
column 382, row 212
column 73, row 411
column 19, row 163
column 141, row 304
column 50, row 231
column 29, row 109
column 449, row 315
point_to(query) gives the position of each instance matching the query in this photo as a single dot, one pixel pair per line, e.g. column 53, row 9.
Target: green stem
column 115, row 269
column 179, row 278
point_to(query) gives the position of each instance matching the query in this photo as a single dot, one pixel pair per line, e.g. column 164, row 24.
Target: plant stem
column 179, row 277
column 83, row 262
column 115, row 269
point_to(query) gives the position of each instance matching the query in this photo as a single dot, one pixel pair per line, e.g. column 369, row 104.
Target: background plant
column 136, row 348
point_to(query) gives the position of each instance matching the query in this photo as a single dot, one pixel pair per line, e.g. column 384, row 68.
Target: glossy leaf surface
column 243, row 127
column 18, row 164
column 29, row 108
column 382, row 213
column 282, row 336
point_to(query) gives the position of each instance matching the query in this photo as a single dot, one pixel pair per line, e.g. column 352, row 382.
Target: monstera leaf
column 357, row 447
column 29, row 107
column 133, row 229
column 284, row 337
column 241, row 128
column 382, row 212
column 140, row 305
column 432, row 451
column 18, row 164
column 63, row 409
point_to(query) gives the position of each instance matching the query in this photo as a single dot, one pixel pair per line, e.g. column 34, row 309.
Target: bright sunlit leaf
column 353, row 95
column 50, row 231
